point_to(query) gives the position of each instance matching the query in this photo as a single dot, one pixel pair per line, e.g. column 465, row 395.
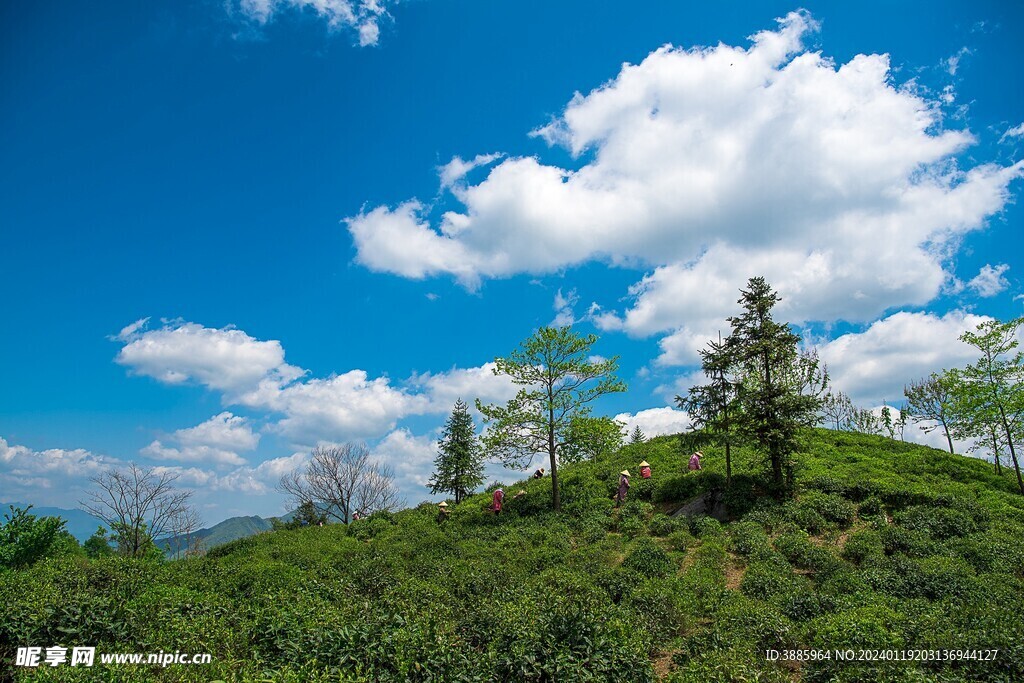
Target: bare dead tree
column 342, row 480
column 138, row 504
column 183, row 532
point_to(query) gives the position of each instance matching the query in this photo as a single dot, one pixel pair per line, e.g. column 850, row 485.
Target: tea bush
column 534, row 595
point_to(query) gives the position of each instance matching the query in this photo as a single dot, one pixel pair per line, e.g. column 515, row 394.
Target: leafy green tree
column 713, row 407
column 25, row 538
column 459, row 465
column 98, row 545
column 781, row 388
column 559, row 380
column 989, row 394
column 930, row 403
column 637, row 436
column 589, row 438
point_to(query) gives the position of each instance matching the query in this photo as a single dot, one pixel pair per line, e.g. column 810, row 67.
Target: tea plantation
column 887, row 546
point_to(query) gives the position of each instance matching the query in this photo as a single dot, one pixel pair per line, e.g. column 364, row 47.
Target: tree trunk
column 1013, row 451
column 728, row 465
column 949, row 439
column 556, row 502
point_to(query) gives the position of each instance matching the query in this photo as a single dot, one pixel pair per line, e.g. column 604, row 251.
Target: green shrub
column 631, row 527
column 832, row 507
column 746, row 538
column 680, row 540
column 741, row 496
column 643, row 489
column 702, row 526
column 869, row 507
column 647, row 558
column 805, row 517
column 663, row 525
column 912, row 542
column 863, row 544
column 677, row 489
column 938, row 522
column 766, row 579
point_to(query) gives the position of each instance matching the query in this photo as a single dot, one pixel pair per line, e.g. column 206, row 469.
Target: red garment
column 496, row 501
column 645, row 472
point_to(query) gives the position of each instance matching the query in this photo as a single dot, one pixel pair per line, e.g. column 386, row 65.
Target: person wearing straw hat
column 442, row 511
column 620, row 496
column 645, row 470
column 695, row 461
column 539, row 473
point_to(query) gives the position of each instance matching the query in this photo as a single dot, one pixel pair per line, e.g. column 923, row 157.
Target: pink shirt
column 694, row 462
column 499, row 496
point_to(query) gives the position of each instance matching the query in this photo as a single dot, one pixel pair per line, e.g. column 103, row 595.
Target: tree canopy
column 459, row 465
column 560, row 378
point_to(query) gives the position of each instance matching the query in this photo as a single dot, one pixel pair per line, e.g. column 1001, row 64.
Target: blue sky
column 272, row 186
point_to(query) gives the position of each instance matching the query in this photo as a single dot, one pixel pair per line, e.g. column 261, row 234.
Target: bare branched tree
column 183, row 528
column 139, row 505
column 342, row 480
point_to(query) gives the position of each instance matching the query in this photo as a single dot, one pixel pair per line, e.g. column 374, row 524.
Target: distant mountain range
column 82, row 525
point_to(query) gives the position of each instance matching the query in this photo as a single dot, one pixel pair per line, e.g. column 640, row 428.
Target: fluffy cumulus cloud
column 252, row 373
column 226, row 360
column 54, row 476
column 412, row 459
column 990, row 280
column 363, row 17
column 345, row 406
column 442, row 389
column 655, row 421
column 218, row 441
column 874, row 365
column 712, row 164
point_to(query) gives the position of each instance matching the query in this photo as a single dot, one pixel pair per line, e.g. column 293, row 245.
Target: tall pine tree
column 459, row 465
column 780, row 388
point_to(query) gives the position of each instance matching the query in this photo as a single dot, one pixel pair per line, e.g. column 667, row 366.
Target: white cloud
column 340, row 407
column 1014, row 132
column 455, row 170
column 253, row 373
column 990, row 280
column 411, row 457
column 226, row 360
column 563, row 306
column 362, row 16
column 655, row 421
column 952, row 63
column 469, row 384
column 217, row 441
column 712, row 165
column 48, row 477
column 876, row 364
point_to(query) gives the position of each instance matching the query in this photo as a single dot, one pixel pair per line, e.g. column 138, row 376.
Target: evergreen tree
column 459, row 465
column 712, row 408
column 637, row 436
column 780, row 388
column 559, row 380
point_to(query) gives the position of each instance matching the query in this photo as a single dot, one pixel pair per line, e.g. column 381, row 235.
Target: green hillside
column 887, row 546
column 230, row 529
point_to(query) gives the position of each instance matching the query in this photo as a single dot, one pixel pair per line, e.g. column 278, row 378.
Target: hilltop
column 887, row 545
